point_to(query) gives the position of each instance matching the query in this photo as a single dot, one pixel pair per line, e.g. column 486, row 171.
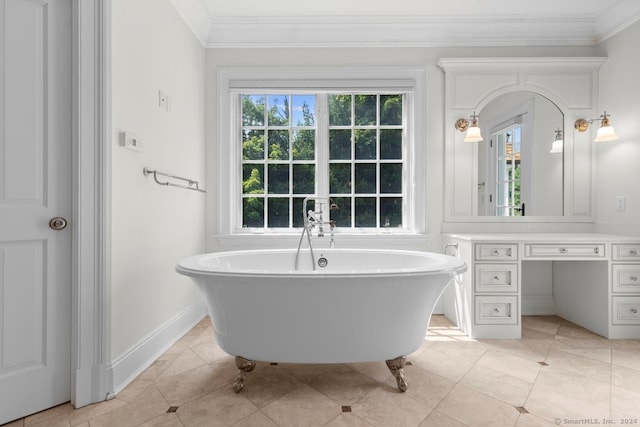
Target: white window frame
column 233, row 82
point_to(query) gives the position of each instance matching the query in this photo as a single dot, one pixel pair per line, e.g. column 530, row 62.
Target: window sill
column 400, row 240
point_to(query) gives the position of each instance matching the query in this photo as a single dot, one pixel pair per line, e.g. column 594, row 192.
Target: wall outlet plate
column 130, row 141
column 163, row 101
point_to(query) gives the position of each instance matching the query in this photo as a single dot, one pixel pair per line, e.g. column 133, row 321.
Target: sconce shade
column 558, row 144
column 473, row 134
column 606, row 132
column 472, row 129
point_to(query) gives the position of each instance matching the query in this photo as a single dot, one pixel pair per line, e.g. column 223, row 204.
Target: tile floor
column 558, row 374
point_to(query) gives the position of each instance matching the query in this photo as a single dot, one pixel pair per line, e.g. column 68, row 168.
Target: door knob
column 57, row 223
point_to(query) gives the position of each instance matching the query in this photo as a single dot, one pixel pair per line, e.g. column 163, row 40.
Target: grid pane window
column 278, row 157
column 340, row 144
column 361, row 135
column 278, row 212
column 369, row 172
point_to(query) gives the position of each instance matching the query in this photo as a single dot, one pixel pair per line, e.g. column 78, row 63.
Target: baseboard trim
column 126, row 367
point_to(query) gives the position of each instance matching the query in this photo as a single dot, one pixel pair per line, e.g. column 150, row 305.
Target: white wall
column 361, row 57
column 154, row 226
column 317, row 58
column 618, row 166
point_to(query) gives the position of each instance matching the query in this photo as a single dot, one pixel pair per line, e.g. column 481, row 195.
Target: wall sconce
column 558, row 144
column 473, row 131
column 605, row 132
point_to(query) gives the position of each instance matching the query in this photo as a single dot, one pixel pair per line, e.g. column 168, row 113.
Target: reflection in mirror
column 518, row 174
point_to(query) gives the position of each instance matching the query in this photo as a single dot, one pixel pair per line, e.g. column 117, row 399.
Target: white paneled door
column 35, row 186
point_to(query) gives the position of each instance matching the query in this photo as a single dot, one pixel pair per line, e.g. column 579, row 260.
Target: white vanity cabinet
column 485, row 301
column 594, row 282
column 495, row 284
column 625, row 284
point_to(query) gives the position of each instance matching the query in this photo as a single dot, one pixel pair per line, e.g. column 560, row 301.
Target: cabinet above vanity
column 592, row 280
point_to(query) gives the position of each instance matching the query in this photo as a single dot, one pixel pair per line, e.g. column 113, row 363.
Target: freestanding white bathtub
column 363, row 305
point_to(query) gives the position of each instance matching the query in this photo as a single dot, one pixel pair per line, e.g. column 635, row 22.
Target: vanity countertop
column 544, row 237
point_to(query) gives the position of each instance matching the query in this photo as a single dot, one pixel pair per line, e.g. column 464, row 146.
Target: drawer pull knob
column 497, row 310
column 564, row 250
column 496, row 277
column 634, row 310
column 633, row 252
column 633, row 278
column 496, row 252
column 596, row 250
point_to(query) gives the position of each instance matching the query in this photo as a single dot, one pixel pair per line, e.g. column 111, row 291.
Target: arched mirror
column 520, row 169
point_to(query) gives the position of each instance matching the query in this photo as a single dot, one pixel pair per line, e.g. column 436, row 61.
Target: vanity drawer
column 626, row 311
column 625, row 278
column 496, row 310
column 496, row 252
column 626, row 252
column 496, row 278
column 564, row 251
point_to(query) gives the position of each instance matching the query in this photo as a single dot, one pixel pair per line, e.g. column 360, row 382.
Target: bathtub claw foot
column 245, row 366
column 396, row 367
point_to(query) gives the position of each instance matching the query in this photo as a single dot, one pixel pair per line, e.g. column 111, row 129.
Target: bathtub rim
column 189, row 266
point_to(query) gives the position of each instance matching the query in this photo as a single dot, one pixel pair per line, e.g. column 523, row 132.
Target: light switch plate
column 130, row 141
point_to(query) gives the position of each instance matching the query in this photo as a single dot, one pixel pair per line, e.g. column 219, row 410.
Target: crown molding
column 562, row 29
column 523, row 63
column 616, row 19
column 197, row 17
column 401, row 31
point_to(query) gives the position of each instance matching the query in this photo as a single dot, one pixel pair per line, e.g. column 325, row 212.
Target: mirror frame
column 471, row 83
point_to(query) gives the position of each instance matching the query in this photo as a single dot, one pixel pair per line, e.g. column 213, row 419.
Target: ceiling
column 335, row 23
